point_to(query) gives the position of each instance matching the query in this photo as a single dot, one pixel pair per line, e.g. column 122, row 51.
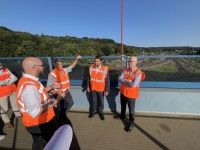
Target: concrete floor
column 149, row 133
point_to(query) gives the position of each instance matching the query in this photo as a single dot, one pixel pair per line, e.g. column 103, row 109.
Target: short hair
column 135, row 58
column 99, row 57
column 57, row 60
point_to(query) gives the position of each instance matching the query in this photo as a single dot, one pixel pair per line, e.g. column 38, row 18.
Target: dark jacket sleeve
column 88, row 81
column 107, row 80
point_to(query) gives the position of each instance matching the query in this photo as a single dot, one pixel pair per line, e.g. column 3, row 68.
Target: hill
column 22, row 44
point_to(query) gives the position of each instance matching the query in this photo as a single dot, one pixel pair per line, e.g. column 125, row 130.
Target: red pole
column 122, row 29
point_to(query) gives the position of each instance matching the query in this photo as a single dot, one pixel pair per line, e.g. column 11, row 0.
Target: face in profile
column 39, row 67
column 41, row 71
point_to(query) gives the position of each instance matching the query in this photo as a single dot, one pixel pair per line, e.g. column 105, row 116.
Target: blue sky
column 147, row 23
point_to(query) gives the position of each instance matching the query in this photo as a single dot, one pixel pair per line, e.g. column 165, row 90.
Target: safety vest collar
column 31, row 77
column 103, row 71
column 134, row 73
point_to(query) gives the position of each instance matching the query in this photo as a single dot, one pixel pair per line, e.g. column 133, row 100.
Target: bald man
column 35, row 104
column 130, row 81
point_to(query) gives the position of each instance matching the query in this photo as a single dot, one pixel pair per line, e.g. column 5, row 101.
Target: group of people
column 36, row 102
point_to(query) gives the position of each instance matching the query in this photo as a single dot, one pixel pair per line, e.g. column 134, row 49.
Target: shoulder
column 6, row 70
column 105, row 67
column 126, row 69
column 26, row 85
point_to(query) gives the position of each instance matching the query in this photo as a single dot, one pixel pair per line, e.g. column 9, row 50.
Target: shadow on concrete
column 162, row 146
column 2, row 148
column 1, row 127
column 15, row 131
column 74, row 144
column 111, row 99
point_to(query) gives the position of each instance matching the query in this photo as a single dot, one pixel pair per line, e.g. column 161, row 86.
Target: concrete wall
column 152, row 100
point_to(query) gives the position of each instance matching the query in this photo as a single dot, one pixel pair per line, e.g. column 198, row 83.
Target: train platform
column 149, row 133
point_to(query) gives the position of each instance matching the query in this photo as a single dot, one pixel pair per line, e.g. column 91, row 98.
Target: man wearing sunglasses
column 35, row 104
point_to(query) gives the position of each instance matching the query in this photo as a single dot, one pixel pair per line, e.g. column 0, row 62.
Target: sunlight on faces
column 132, row 62
column 58, row 65
column 39, row 68
column 97, row 62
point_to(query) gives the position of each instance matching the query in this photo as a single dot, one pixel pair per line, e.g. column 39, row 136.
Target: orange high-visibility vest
column 128, row 91
column 6, row 89
column 62, row 78
column 97, row 80
column 27, row 119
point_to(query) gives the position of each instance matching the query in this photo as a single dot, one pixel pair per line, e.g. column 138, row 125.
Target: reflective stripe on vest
column 6, row 89
column 27, row 119
column 128, row 91
column 97, row 79
column 60, row 78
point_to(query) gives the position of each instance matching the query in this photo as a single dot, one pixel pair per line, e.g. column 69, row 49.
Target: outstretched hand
column 78, row 57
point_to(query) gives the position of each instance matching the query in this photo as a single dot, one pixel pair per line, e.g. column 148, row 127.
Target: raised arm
column 75, row 61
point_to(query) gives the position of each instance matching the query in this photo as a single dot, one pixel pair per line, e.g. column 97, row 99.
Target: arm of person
column 121, row 78
column 107, row 88
column 32, row 101
column 69, row 69
column 88, row 83
column 133, row 83
column 13, row 78
column 4, row 82
column 75, row 61
column 9, row 81
column 51, row 103
column 50, row 82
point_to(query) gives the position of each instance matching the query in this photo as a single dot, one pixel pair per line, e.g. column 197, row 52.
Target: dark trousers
column 64, row 106
column 41, row 134
column 97, row 102
column 66, row 103
column 131, row 105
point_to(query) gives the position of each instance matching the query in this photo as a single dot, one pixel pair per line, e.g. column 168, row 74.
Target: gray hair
column 133, row 57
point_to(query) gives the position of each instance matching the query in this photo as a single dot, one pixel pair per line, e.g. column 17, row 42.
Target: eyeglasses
column 39, row 65
column 131, row 61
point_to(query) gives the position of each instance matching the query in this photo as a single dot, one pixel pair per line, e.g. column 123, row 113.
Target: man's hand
column 105, row 93
column 88, row 89
column 128, row 80
column 78, row 57
column 61, row 95
column 56, row 86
